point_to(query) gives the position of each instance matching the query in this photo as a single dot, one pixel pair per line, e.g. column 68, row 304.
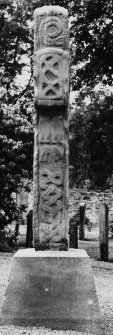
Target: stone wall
column 91, row 199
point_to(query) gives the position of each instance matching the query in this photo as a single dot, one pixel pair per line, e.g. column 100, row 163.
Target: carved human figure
column 51, row 90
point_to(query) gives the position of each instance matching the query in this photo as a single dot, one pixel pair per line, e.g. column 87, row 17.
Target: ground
column 103, row 276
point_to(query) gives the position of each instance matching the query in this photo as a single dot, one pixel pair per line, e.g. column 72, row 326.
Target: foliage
column 92, row 43
column 16, row 92
column 16, row 130
column 16, row 140
column 91, row 40
column 101, row 140
column 91, row 140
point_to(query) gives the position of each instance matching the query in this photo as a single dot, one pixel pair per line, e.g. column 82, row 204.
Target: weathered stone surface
column 51, row 188
column 51, row 87
column 53, row 289
column 51, row 77
column 51, row 27
column 53, row 128
column 51, row 193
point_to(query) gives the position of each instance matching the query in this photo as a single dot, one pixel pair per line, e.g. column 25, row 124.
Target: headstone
column 29, row 233
column 103, row 231
column 73, row 234
column 51, row 89
column 81, row 221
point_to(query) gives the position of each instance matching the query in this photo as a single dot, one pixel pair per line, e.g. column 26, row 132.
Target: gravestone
column 81, row 221
column 50, row 285
column 103, row 231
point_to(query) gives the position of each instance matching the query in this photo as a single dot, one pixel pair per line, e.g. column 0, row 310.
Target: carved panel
column 51, row 196
column 51, row 129
column 51, row 30
column 51, row 77
column 51, row 182
column 51, row 154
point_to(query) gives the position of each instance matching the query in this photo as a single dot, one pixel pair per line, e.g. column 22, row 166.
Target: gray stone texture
column 51, row 28
column 51, row 77
column 53, row 289
column 51, row 88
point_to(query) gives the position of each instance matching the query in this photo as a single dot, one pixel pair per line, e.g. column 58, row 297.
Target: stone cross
column 51, row 97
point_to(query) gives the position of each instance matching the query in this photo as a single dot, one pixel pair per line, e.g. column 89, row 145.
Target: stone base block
column 53, row 289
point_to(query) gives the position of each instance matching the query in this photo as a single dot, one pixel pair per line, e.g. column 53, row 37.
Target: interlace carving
column 51, row 76
column 51, row 95
column 51, row 79
column 51, row 193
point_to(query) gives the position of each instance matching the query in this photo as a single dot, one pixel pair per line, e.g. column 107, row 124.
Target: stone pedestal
column 53, row 289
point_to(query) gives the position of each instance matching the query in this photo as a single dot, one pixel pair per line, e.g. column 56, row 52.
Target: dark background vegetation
column 91, row 114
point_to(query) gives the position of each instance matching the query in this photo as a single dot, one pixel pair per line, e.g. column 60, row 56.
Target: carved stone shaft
column 51, row 90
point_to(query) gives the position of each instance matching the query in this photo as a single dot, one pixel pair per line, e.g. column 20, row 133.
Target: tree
column 91, row 37
column 16, row 155
column 92, row 66
column 16, row 90
column 92, row 43
column 16, row 95
column 16, row 130
column 79, row 127
column 101, row 140
column 91, row 140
